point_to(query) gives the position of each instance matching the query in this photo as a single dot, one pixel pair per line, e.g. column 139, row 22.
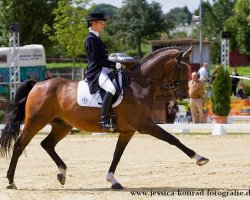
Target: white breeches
column 104, row 81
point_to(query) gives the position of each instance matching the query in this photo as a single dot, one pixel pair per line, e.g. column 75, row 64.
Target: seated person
column 241, row 92
column 48, row 75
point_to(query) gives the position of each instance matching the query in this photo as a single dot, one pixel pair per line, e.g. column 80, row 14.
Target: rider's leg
column 106, row 84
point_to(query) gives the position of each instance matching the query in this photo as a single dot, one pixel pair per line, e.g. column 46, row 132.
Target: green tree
column 221, row 92
column 108, row 10
column 213, row 19
column 69, row 29
column 3, row 27
column 138, row 21
column 5, row 13
column 239, row 25
column 179, row 16
column 31, row 16
column 110, row 36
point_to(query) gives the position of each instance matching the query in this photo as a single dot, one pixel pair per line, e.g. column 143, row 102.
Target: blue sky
column 166, row 4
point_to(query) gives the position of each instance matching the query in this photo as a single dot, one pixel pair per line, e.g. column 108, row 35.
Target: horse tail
column 15, row 117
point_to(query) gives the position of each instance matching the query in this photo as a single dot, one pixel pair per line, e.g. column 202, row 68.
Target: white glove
column 118, row 65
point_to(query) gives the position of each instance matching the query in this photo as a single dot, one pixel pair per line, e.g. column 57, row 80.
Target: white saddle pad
column 84, row 98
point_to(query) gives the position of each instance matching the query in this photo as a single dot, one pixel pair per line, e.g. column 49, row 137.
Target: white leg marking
column 110, row 177
column 62, row 171
column 197, row 156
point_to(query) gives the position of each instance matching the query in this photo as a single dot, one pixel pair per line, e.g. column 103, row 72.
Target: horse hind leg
column 29, row 131
column 59, row 130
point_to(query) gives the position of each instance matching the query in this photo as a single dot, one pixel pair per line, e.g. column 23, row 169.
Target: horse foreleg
column 24, row 139
column 122, row 142
column 152, row 129
column 58, row 132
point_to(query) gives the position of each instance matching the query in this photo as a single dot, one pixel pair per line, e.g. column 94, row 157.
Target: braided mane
column 158, row 51
column 152, row 55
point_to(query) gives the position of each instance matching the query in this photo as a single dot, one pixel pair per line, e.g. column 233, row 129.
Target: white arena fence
column 240, row 77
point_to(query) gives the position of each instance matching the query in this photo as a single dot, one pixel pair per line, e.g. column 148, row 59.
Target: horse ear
column 187, row 53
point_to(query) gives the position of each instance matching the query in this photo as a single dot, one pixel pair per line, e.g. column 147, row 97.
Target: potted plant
column 221, row 95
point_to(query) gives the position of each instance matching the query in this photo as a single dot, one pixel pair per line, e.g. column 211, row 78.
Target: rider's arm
column 93, row 51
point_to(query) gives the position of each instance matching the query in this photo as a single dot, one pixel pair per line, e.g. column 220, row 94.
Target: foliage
column 2, row 115
column 127, row 28
column 221, row 92
column 239, row 25
column 185, row 103
column 179, row 16
column 3, row 28
column 31, row 16
column 69, row 29
column 112, row 42
column 247, row 90
column 134, row 27
column 180, row 34
column 215, row 51
column 108, row 10
column 213, row 19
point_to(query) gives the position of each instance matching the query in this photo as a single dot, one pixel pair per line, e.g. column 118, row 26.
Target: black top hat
column 96, row 16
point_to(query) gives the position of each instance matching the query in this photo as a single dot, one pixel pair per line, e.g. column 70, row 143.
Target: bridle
column 172, row 86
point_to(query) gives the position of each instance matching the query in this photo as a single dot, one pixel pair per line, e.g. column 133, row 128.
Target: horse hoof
column 117, row 186
column 11, row 186
column 202, row 161
column 61, row 178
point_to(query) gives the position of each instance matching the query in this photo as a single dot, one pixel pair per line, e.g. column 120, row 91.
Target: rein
column 172, row 86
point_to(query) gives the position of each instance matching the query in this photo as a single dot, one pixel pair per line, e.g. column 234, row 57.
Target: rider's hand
column 118, row 65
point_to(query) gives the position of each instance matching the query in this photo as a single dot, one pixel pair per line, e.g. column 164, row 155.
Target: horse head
column 167, row 68
column 175, row 73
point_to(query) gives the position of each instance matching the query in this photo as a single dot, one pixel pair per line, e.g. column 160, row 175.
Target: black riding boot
column 105, row 121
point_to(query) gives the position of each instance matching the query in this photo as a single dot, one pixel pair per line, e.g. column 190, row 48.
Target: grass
column 242, row 70
column 65, row 65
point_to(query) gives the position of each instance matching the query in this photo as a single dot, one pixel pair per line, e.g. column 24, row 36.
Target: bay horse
column 54, row 102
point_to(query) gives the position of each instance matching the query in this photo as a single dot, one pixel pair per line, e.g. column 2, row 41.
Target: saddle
column 84, row 98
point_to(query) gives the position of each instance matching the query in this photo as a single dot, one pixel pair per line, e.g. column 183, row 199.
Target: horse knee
column 46, row 144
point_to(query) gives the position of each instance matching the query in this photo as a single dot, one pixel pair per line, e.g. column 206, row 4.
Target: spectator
column 196, row 92
column 241, row 92
column 48, row 75
column 203, row 73
column 172, row 109
column 234, row 81
column 214, row 74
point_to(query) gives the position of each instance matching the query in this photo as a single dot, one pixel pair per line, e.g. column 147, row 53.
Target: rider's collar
column 92, row 31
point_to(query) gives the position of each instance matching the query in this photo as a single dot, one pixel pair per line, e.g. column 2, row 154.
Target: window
column 3, row 58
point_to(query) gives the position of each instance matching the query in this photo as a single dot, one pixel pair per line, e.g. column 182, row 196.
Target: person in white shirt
column 203, row 73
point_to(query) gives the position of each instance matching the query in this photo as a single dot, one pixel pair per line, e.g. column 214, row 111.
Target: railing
column 240, row 77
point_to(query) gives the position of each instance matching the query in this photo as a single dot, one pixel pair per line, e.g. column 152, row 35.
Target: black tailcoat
column 97, row 54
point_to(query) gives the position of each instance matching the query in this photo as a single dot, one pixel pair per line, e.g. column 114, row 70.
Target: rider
column 98, row 68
